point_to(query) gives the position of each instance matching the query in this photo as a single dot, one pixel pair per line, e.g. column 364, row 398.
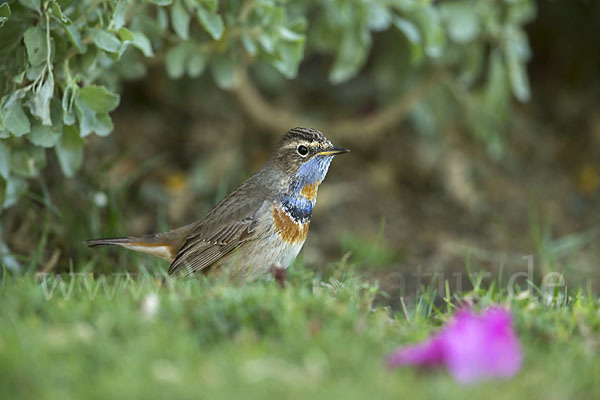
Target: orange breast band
column 289, row 230
column 310, row 190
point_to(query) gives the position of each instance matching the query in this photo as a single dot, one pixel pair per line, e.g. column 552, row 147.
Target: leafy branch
column 63, row 61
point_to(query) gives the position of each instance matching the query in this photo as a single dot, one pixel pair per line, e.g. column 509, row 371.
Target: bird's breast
column 290, row 228
column 298, row 207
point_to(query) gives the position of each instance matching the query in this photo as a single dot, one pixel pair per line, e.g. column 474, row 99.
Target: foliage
column 62, row 60
column 135, row 337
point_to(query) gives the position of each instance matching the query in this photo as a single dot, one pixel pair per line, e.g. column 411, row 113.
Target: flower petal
column 473, row 347
column 482, row 347
column 428, row 353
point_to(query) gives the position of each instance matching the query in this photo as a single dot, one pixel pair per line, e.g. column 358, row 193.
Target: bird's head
column 305, row 154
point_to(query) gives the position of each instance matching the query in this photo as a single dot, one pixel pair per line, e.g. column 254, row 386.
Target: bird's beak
column 332, row 151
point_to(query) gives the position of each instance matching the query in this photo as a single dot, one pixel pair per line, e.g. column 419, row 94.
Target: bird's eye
column 302, row 150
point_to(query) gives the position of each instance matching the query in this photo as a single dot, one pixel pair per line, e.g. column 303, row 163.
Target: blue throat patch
column 298, row 207
column 311, row 172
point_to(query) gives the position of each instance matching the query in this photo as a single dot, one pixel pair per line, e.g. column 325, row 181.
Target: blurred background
column 469, row 151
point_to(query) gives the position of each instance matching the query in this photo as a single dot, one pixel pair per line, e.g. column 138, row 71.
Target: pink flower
column 473, row 347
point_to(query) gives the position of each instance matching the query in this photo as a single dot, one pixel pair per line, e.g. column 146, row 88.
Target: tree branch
column 362, row 129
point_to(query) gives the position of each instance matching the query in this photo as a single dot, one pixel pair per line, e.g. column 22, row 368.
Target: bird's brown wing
column 208, row 244
column 199, row 252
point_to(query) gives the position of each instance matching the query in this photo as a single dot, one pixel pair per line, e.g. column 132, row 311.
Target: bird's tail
column 164, row 245
column 118, row 241
column 150, row 244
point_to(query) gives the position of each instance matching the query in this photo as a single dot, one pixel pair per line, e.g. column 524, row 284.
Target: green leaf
column 42, row 135
column 18, row 79
column 15, row 187
column 180, row 20
column 98, row 98
column 379, row 17
column 429, row 21
column 410, row 30
column 290, row 54
column 211, row 4
column 267, row 41
column 33, row 73
column 521, row 12
column 3, row 185
column 176, row 59
column 488, row 110
column 68, row 98
column 141, row 42
column 119, row 15
column 4, row 160
column 90, row 121
column 249, row 44
column 105, row 40
column 461, row 20
column 69, row 150
column 352, row 54
column 32, row 4
column 161, row 2
column 196, row 64
column 161, row 24
column 87, row 119
column 56, row 10
column 74, row 37
column 4, row 14
column 496, row 93
column 518, row 76
column 212, row 22
column 40, row 104
column 274, row 16
column 126, row 35
column 92, row 105
column 69, row 117
column 4, row 10
column 35, row 42
column 27, row 162
column 516, row 52
column 56, row 114
column 185, row 57
column 289, row 35
column 15, row 119
column 413, row 36
column 298, row 25
column 223, row 71
column 103, row 125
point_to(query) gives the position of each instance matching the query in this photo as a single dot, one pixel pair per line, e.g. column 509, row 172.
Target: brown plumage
column 264, row 221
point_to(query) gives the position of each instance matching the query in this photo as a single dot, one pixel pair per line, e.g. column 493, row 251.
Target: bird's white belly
column 258, row 257
column 282, row 254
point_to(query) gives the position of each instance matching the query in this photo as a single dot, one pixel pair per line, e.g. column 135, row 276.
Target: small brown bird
column 264, row 222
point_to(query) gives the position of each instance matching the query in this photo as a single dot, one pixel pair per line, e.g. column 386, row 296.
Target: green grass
column 319, row 338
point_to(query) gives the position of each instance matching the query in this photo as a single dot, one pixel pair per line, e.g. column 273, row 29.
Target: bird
column 261, row 224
